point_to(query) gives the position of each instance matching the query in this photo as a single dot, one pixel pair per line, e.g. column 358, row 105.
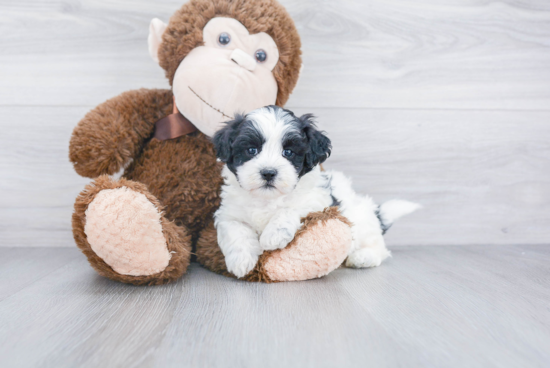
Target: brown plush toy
column 221, row 57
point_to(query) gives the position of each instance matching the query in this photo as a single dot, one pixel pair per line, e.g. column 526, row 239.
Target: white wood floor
column 450, row 306
column 443, row 102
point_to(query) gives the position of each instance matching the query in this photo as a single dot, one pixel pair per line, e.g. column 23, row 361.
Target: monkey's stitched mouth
column 207, row 104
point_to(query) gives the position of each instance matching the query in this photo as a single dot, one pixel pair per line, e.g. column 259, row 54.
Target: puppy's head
column 270, row 148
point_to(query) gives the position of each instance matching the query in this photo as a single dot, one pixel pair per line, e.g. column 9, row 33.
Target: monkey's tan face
column 231, row 73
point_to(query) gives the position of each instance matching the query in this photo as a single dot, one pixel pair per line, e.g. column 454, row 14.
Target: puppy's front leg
column 280, row 230
column 240, row 246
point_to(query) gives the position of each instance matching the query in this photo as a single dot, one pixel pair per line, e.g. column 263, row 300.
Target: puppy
column 273, row 179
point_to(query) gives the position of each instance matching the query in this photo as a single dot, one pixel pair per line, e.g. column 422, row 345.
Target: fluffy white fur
column 253, row 218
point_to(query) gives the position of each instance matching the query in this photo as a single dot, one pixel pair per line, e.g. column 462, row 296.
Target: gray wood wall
column 446, row 103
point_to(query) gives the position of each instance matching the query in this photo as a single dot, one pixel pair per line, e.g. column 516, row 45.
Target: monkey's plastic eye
column 288, row 153
column 261, row 55
column 252, row 151
column 224, row 39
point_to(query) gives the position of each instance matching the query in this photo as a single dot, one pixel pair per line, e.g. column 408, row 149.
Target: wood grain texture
column 376, row 54
column 427, row 306
column 482, row 176
column 19, row 268
column 38, row 182
column 466, row 133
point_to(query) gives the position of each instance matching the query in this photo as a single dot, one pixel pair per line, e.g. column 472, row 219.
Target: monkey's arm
column 114, row 132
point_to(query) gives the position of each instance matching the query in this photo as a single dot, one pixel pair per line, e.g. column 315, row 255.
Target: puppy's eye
column 252, row 151
column 288, row 153
column 260, row 55
column 224, row 39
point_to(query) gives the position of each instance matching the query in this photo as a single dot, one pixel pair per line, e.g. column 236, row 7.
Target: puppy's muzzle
column 268, row 174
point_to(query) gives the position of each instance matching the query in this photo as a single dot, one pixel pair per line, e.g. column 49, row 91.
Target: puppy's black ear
column 223, row 139
column 319, row 144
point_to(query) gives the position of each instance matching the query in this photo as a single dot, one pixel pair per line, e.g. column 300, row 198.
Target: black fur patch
column 310, row 146
column 233, row 141
column 296, row 141
column 383, row 225
column 328, row 185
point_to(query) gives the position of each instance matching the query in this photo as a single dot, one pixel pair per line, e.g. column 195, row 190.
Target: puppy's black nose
column 268, row 174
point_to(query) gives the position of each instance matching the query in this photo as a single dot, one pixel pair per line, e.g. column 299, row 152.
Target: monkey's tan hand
column 319, row 247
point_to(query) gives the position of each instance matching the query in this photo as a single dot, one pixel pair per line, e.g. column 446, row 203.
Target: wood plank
column 36, row 172
column 453, row 306
column 20, row 267
column 376, row 54
column 475, row 296
column 425, row 54
column 483, row 177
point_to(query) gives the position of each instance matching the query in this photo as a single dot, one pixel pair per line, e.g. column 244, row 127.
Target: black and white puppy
column 273, row 179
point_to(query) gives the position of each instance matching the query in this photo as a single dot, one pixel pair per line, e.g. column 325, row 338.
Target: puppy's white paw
column 240, row 263
column 274, row 237
column 365, row 257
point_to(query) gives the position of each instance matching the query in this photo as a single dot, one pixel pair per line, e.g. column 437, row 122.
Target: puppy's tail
column 391, row 210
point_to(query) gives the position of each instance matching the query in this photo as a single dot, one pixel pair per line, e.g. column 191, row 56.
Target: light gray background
column 446, row 103
column 443, row 102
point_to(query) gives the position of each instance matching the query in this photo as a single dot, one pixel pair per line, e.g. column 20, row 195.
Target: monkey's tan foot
column 319, row 247
column 120, row 227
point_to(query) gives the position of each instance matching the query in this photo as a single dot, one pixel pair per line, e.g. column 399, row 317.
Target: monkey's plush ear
column 156, row 29
column 223, row 139
column 319, row 144
column 300, row 73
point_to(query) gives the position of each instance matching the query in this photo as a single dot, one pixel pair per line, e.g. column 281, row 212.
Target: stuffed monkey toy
column 220, row 57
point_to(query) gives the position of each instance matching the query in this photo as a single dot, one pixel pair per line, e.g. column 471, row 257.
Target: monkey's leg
column 319, row 247
column 120, row 227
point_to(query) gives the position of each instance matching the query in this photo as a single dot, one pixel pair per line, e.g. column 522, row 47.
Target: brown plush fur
column 179, row 176
column 115, row 131
column 184, row 33
column 177, row 239
column 184, row 174
column 210, row 255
